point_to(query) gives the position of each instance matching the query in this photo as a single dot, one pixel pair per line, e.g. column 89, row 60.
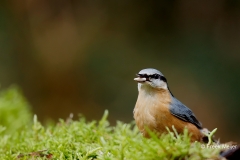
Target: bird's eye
column 155, row 76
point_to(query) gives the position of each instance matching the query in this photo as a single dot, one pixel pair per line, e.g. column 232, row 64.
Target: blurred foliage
column 15, row 113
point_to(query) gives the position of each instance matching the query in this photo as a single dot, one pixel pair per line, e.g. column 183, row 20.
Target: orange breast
column 152, row 111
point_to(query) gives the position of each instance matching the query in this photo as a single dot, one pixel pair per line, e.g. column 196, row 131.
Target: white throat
column 149, row 87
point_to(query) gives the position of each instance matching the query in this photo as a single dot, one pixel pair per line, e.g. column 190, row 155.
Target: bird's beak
column 140, row 79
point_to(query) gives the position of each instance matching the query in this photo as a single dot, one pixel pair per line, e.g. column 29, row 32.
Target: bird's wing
column 184, row 113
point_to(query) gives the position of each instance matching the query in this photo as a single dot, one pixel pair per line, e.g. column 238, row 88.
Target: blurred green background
column 72, row 56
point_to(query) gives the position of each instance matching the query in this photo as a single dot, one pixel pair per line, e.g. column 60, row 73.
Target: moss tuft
column 84, row 140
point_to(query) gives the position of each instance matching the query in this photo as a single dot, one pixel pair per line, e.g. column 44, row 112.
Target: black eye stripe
column 143, row 75
column 163, row 78
column 154, row 76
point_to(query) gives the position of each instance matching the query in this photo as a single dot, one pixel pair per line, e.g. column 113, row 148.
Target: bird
column 157, row 109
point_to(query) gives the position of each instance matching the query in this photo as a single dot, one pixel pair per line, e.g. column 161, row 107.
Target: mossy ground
column 24, row 137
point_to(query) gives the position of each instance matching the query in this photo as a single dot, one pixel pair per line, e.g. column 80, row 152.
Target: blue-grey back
column 183, row 112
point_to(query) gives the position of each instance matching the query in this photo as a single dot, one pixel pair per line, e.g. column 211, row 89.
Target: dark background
column 72, row 56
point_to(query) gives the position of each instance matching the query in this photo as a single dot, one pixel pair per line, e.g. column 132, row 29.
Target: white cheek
column 160, row 84
column 164, row 85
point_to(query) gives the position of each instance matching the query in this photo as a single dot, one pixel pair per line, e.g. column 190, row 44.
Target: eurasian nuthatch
column 156, row 107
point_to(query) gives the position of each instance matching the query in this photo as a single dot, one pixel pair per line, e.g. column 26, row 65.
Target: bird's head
column 151, row 78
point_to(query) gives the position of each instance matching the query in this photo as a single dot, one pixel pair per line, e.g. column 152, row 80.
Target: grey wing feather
column 184, row 113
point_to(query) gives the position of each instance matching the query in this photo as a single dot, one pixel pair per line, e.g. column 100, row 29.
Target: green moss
column 85, row 140
column 14, row 110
